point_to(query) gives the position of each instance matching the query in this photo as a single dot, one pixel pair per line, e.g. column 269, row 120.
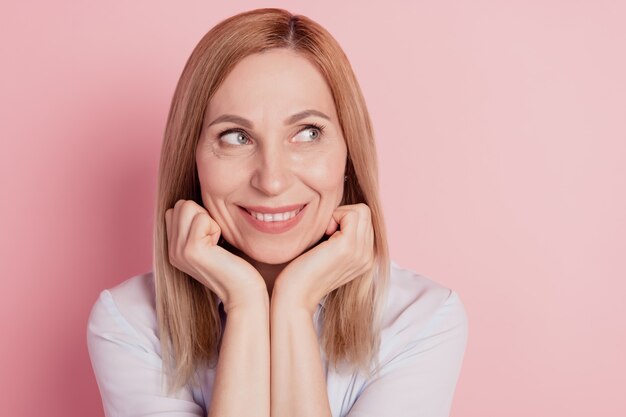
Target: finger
column 365, row 223
column 333, row 223
column 365, row 230
column 347, row 218
column 215, row 231
column 368, row 238
column 355, row 222
column 332, row 226
column 175, row 221
column 168, row 225
column 168, row 219
column 204, row 227
column 186, row 212
column 175, row 228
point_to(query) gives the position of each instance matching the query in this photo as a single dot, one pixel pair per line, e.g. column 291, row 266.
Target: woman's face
column 261, row 152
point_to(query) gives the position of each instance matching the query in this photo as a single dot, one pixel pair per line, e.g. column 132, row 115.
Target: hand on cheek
column 193, row 237
column 348, row 253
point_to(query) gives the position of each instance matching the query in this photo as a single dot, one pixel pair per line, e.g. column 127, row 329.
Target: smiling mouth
column 281, row 220
column 276, row 217
column 269, row 214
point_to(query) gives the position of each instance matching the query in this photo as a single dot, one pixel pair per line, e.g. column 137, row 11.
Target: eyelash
column 313, row 125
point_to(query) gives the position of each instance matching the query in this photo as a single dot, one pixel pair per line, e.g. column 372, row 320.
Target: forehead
column 272, row 82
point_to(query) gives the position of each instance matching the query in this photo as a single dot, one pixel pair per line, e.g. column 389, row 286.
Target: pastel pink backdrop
column 502, row 146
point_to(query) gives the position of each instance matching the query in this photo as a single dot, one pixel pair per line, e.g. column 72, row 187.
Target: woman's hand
column 348, row 253
column 192, row 246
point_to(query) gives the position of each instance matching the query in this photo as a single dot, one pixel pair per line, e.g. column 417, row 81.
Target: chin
column 263, row 252
column 277, row 252
column 280, row 254
column 272, row 256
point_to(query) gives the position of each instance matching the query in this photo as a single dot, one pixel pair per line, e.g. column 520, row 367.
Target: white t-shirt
column 423, row 342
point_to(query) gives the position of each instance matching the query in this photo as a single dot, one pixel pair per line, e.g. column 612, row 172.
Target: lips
column 270, row 224
column 273, row 210
column 276, row 217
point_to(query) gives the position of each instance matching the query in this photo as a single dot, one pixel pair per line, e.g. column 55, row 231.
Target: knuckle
column 202, row 217
column 195, row 219
column 190, row 205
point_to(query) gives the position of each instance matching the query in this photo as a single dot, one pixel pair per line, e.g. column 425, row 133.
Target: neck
column 269, row 272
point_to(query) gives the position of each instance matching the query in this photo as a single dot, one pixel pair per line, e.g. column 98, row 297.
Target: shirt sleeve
column 128, row 369
column 420, row 380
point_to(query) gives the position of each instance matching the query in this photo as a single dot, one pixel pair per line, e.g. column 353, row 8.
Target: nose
column 273, row 174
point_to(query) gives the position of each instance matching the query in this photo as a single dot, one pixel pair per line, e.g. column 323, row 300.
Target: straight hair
column 189, row 323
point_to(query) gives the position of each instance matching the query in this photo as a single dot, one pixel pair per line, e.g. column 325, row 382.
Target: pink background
column 502, row 142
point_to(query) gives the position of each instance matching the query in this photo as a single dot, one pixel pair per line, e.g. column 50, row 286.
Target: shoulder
column 127, row 311
column 422, row 344
column 418, row 307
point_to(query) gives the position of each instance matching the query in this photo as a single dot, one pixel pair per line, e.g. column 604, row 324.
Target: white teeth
column 276, row 217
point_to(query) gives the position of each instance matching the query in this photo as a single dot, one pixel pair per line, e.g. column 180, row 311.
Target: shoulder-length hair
column 187, row 311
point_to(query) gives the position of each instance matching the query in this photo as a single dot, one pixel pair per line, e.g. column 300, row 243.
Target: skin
column 271, row 284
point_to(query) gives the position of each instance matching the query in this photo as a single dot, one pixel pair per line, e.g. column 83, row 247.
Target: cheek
column 325, row 174
column 218, row 179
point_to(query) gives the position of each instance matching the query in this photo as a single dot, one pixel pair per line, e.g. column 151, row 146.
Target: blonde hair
column 187, row 311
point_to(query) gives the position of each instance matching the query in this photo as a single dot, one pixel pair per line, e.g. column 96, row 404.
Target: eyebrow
column 248, row 124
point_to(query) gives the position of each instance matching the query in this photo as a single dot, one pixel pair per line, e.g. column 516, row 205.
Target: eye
column 311, row 132
column 234, row 137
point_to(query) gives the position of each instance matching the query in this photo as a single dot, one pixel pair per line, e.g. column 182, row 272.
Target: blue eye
column 234, row 137
column 314, row 132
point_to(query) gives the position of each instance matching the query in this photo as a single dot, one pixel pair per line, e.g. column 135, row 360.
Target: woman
column 272, row 291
